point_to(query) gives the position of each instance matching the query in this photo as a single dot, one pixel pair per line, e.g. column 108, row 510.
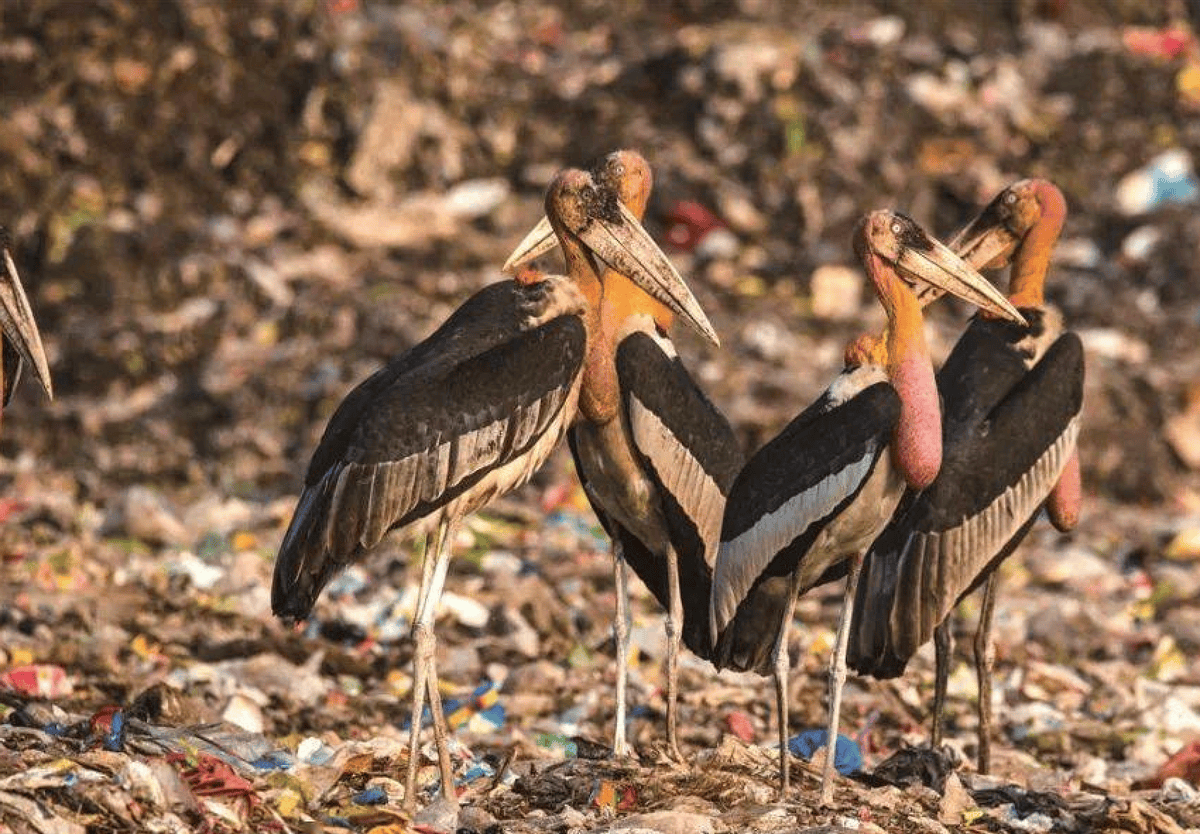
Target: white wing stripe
column 682, row 475
column 742, row 559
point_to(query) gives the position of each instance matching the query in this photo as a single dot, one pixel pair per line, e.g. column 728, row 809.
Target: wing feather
column 427, row 436
column 1000, row 461
column 793, row 486
column 691, row 452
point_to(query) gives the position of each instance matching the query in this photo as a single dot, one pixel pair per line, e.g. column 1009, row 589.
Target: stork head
column 896, row 251
column 992, row 238
column 591, row 221
column 625, row 173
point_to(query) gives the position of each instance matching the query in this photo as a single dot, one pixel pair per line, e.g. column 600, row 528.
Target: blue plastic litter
column 275, row 760
column 114, row 739
column 847, row 758
column 371, row 796
column 478, row 770
column 1170, row 186
column 494, row 715
column 312, row 628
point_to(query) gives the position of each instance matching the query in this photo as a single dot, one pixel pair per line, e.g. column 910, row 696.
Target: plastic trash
column 847, row 757
column 371, row 796
column 1167, row 178
column 38, row 680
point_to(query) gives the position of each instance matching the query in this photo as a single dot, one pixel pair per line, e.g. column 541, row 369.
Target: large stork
column 1012, row 397
column 463, row 417
column 654, row 455
column 814, row 497
column 20, row 341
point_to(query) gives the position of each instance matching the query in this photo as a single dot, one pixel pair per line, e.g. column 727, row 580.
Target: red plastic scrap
column 102, row 720
column 209, row 776
column 39, row 680
column 689, row 223
column 10, row 506
column 740, row 725
column 1185, row 765
column 1163, row 44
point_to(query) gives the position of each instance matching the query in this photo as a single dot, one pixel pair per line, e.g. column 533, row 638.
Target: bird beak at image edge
column 18, row 325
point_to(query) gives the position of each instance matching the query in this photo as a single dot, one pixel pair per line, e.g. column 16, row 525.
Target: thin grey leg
column 674, row 627
column 434, row 563
column 942, row 648
column 783, row 667
column 621, row 638
column 837, row 678
column 985, row 659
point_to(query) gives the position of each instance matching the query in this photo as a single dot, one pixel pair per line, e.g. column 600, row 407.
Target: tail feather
column 747, row 644
column 305, row 561
column 872, row 648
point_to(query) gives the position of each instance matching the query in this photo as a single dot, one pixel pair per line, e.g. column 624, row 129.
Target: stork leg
column 434, row 563
column 621, row 638
column 941, row 676
column 985, row 659
column 837, row 678
column 440, row 734
column 783, row 666
column 674, row 628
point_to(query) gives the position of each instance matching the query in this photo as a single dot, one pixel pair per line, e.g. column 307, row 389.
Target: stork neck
column 582, row 272
column 598, row 392
column 1032, row 259
column 622, row 298
column 917, row 440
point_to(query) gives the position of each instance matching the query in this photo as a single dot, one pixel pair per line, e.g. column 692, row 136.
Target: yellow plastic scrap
column 288, row 803
column 1187, row 83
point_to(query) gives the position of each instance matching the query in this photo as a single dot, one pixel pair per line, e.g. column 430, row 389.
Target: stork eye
column 896, row 227
column 619, row 169
column 1010, row 198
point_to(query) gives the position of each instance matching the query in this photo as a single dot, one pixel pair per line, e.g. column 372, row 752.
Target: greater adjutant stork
column 20, row 341
column 654, row 455
column 463, row 417
column 1012, row 397
column 816, row 495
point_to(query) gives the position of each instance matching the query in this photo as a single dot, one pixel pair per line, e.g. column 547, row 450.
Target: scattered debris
column 228, row 215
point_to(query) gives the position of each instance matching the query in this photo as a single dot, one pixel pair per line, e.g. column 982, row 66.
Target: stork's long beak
column 986, row 241
column 538, row 242
column 940, row 267
column 17, row 324
column 624, row 245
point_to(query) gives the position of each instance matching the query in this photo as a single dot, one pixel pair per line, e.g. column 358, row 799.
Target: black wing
column 786, row 494
column 444, row 423
column 997, row 470
column 691, row 452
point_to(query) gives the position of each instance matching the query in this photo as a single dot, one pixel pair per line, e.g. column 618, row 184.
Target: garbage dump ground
column 228, row 214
